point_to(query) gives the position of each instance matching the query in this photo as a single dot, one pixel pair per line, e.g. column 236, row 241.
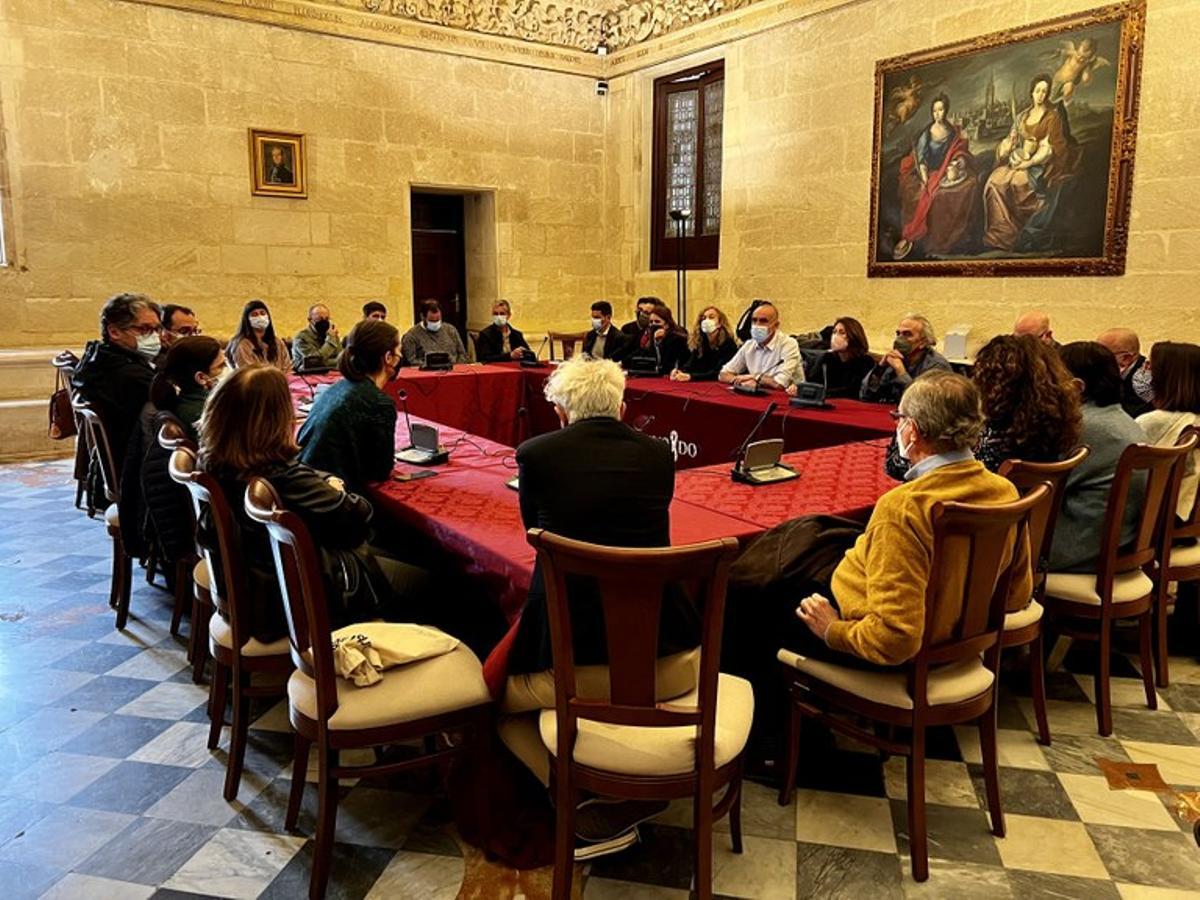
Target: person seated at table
column 598, row 480
column 1135, row 384
column 661, row 348
column 246, row 432
column 604, row 341
column 431, row 335
column 351, row 429
column 1174, row 370
column 1035, row 324
column 845, row 364
column 635, row 329
column 190, row 371
column 710, row 346
column 373, row 309
column 177, row 322
column 500, row 342
column 255, row 343
column 1107, row 430
column 770, row 359
column 911, row 356
column 316, row 346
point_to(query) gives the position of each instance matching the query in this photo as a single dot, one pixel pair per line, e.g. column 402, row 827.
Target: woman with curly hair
column 1030, row 402
column 711, row 345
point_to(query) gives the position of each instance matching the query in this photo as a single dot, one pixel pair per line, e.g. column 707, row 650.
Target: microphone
column 537, row 354
column 740, row 455
column 402, row 396
column 312, row 391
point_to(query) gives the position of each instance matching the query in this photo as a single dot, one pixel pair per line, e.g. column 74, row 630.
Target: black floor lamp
column 680, row 217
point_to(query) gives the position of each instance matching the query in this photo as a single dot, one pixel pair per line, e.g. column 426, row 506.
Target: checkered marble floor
column 107, row 790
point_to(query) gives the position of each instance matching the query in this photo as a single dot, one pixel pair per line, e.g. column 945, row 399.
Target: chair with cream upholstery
column 101, row 454
column 628, row 745
column 568, row 339
column 947, row 683
column 440, row 695
column 1084, row 605
column 236, row 654
column 1023, row 624
column 1178, row 556
column 170, row 437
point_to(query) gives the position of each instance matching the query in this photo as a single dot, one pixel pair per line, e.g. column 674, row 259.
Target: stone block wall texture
column 126, row 160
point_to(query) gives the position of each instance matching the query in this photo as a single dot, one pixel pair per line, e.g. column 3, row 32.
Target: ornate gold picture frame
column 1009, row 154
column 278, row 166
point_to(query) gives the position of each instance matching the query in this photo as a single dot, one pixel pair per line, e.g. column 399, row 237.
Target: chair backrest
column 228, row 583
column 1173, row 530
column 568, row 339
column 171, row 434
column 974, row 538
column 473, row 344
column 304, row 598
column 630, row 584
column 100, row 448
column 1026, row 476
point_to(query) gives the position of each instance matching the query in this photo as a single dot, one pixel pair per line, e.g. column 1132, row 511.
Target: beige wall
column 798, row 134
column 128, row 159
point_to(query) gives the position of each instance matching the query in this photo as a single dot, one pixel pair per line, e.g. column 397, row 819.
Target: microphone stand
column 740, row 456
column 402, row 396
column 680, row 217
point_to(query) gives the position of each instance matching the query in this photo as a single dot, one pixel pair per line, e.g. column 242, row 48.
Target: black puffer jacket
column 116, row 382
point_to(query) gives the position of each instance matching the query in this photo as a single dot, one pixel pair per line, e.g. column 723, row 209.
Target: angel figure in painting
column 1078, row 63
column 903, row 102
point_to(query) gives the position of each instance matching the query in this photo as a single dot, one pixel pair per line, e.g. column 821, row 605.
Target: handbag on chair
column 61, row 415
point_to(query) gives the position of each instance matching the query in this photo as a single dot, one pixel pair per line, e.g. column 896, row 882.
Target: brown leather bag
column 62, row 416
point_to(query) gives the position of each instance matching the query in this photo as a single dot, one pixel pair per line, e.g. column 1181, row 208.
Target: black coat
column 665, row 355
column 616, row 344
column 599, row 481
column 705, row 362
column 1130, row 401
column 489, row 346
column 841, row 379
column 116, row 382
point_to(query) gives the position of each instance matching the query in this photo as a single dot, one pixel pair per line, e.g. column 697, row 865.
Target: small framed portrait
column 277, row 164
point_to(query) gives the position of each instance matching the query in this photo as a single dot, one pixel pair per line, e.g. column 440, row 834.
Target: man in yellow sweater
column 878, row 608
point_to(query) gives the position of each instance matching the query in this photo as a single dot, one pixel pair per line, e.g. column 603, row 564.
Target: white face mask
column 708, row 326
column 260, row 322
column 149, row 345
column 838, row 343
column 597, row 324
column 902, row 448
column 433, row 326
column 760, row 333
column 499, row 321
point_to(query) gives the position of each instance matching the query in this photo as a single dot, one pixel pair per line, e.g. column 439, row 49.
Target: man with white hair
column 911, row 356
column 1035, row 324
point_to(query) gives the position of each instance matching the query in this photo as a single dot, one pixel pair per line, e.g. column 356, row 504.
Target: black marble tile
column 169, row 894
column 1027, row 792
column 1009, row 715
column 355, row 870
column 1182, row 697
column 940, row 743
column 1064, row 686
column 840, row 873
column 117, row 737
column 18, row 814
column 664, row 857
column 1042, row 886
column 96, row 658
column 104, row 693
column 147, row 851
column 25, row 881
column 436, row 839
column 842, row 772
column 954, row 834
column 1166, row 859
column 131, row 787
column 1076, row 754
column 90, row 629
column 1152, row 726
column 1083, row 657
column 266, row 811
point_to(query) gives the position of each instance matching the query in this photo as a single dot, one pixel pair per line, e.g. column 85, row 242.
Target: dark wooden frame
column 258, row 137
column 700, row 251
column 171, row 436
column 1128, row 62
column 100, row 450
column 1027, row 476
column 568, row 339
column 986, row 529
column 630, row 584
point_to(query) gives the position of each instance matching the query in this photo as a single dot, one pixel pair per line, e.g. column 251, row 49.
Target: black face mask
column 396, row 368
column 321, row 327
column 643, row 320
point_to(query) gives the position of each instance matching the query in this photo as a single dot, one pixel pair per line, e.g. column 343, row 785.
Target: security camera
column 601, row 88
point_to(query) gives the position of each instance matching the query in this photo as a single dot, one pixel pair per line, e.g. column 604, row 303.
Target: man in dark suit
column 1126, row 347
column 277, row 169
column 500, row 342
column 645, row 306
column 604, row 341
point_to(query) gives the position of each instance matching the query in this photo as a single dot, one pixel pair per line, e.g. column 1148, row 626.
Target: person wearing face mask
column 769, row 359
column 710, row 344
column 177, row 322
column 847, row 362
column 500, row 342
column 1174, row 368
column 1135, row 384
column 637, row 328
column 662, row 347
column 351, row 430
column 432, row 335
column 604, row 341
column 115, row 372
column 911, row 356
column 317, row 345
column 255, row 343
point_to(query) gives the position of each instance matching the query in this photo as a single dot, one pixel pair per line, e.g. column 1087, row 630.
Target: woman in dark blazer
column 661, row 348
column 500, row 342
column 710, row 345
column 847, row 362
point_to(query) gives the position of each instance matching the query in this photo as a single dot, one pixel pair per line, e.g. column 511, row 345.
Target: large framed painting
column 1010, row 154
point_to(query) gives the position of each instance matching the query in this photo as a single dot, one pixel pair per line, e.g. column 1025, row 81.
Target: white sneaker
column 585, row 851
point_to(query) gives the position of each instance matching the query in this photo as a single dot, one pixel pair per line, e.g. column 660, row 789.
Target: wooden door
column 439, row 256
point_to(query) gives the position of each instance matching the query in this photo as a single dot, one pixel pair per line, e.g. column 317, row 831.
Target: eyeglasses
column 145, row 330
column 896, row 415
column 186, row 331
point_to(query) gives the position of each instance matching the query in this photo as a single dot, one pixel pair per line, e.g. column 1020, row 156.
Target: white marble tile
column 1125, row 692
column 48, row 729
column 611, row 889
column 762, row 815
column 1146, row 892
column 41, row 685
column 274, row 719
column 1017, row 749
column 844, row 820
column 65, row 837
column 1050, row 845
column 198, row 798
column 57, row 777
column 236, row 864
column 170, row 700
column 766, row 870
column 140, row 633
column 1064, row 717
column 946, row 783
column 47, row 650
column 89, row 887
column 422, row 875
column 183, row 744
column 153, row 664
column 1177, row 764
column 1097, row 804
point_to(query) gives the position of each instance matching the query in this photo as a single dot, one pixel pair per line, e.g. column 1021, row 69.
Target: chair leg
column 991, row 769
column 114, row 589
column 482, row 736
column 216, row 703
column 237, row 734
column 124, row 577
column 200, row 614
column 702, row 834
column 80, row 486
column 300, row 745
column 1160, row 647
column 564, row 834
column 788, row 788
column 1037, row 682
column 1103, row 698
column 735, row 810
column 1145, row 626
column 918, row 837
column 183, row 587
column 326, row 822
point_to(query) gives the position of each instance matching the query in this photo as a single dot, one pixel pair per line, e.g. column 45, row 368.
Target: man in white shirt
column 770, row 358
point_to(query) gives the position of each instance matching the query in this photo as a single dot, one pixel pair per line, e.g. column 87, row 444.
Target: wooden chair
column 236, row 654
column 101, row 451
column 631, row 746
column 419, row 700
column 1084, row 605
column 1023, row 624
column 568, row 339
column 950, row 682
column 473, row 344
column 1178, row 555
